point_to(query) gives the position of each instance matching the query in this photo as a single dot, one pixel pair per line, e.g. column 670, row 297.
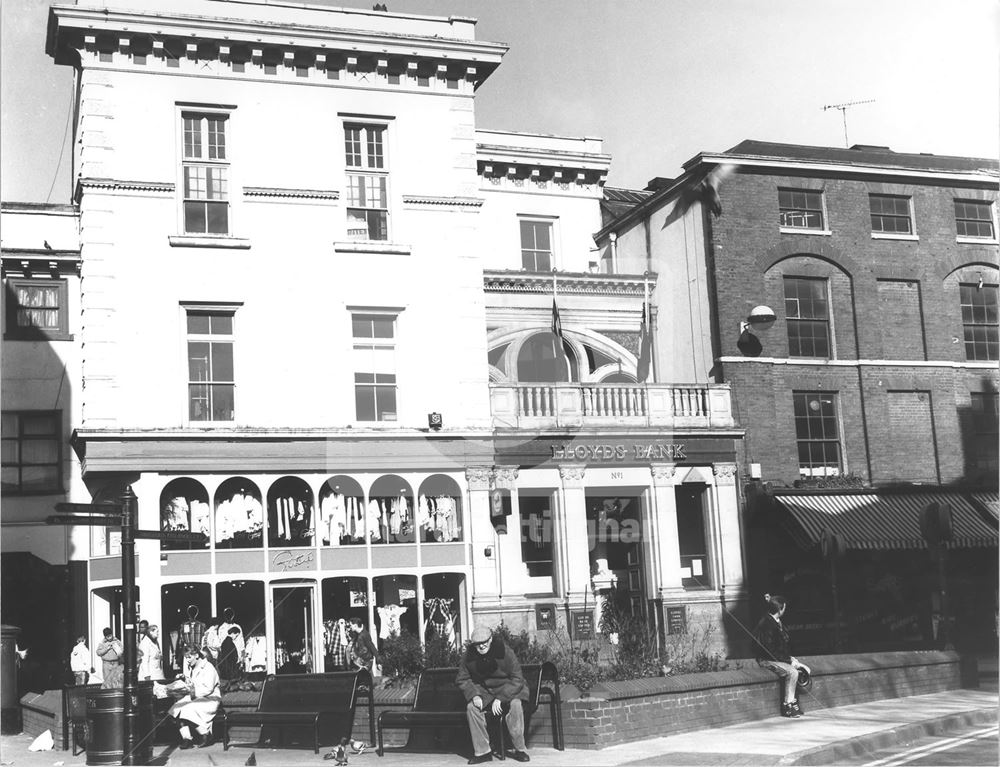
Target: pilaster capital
column 725, row 473
column 663, row 474
column 505, row 477
column 478, row 477
column 572, row 474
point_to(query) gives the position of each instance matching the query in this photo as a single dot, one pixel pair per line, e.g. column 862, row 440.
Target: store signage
column 583, row 625
column 656, row 451
column 293, row 560
column 676, row 620
column 545, row 617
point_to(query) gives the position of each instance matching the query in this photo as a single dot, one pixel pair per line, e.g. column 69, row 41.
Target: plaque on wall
column 545, row 617
column 583, row 625
column 676, row 620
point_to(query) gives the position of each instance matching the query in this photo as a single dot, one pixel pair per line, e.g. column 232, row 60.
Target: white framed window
column 817, row 434
column 367, row 181
column 374, row 337
column 211, row 386
column 537, row 244
column 37, row 308
column 205, row 171
column 801, row 209
column 890, row 214
column 974, row 219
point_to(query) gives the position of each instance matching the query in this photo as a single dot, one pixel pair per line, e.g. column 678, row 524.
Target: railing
column 541, row 405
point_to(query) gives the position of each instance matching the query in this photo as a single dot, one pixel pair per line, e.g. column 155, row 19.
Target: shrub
column 438, row 652
column 525, row 647
column 402, row 656
column 691, row 651
column 635, row 651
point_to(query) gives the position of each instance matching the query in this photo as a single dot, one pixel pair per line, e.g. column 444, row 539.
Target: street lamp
column 760, row 318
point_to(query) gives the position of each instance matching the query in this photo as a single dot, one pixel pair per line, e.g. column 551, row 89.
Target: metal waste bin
column 106, row 726
column 10, row 706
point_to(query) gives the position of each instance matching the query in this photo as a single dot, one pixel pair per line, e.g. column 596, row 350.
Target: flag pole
column 649, row 323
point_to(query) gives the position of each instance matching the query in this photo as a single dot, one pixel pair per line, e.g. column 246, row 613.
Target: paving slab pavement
column 820, row 737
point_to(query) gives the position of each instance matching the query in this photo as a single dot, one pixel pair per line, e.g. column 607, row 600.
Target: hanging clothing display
column 438, row 515
column 336, row 643
column 241, row 517
column 439, row 620
column 255, row 653
column 175, row 515
column 389, row 623
column 201, row 517
column 291, row 520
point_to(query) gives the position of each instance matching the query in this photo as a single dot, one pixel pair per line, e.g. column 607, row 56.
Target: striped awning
column 989, row 501
column 886, row 520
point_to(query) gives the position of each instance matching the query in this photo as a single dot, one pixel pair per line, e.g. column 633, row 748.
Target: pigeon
column 251, row 760
column 339, row 753
column 359, row 746
column 46, row 244
column 707, row 189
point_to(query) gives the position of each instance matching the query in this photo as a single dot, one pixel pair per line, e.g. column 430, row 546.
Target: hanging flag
column 556, row 322
column 645, row 347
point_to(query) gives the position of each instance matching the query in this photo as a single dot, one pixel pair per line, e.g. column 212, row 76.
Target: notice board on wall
column 583, row 625
column 676, row 620
column 545, row 617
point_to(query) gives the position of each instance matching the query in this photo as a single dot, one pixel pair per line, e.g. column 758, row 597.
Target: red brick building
column 850, row 299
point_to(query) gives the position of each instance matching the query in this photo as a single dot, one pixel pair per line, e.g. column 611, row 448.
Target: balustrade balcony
column 556, row 405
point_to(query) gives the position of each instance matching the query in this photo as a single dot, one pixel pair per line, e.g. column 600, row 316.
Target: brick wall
column 893, row 300
column 621, row 712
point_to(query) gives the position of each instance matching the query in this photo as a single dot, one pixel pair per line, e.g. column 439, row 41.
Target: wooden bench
column 320, row 701
column 438, row 703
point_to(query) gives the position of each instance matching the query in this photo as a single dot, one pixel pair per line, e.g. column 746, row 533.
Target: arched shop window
column 343, row 598
column 341, row 518
column 290, row 513
column 444, row 596
column 239, row 515
column 391, row 511
column 439, row 510
column 241, row 603
column 184, row 506
column 107, row 541
column 185, row 609
column 543, row 359
column 395, row 605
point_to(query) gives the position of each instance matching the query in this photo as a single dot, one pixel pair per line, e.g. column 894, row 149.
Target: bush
column 691, row 651
column 438, row 652
column 632, row 638
column 525, row 647
column 402, row 656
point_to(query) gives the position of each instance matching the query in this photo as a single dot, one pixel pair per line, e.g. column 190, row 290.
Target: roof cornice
column 286, row 35
column 840, row 168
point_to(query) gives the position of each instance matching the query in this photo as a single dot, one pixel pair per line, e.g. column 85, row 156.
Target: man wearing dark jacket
column 490, row 677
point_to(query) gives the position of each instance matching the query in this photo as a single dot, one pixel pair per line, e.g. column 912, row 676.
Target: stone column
column 508, row 546
column 485, row 584
column 571, row 532
column 729, row 563
column 666, row 545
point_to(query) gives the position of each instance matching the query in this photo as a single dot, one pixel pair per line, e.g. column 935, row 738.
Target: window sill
column 208, row 241
column 887, row 236
column 976, row 241
column 371, row 246
column 796, row 230
column 39, row 336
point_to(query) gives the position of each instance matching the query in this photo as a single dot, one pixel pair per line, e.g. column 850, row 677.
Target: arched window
column 184, row 507
column 239, row 515
column 541, row 360
column 290, row 513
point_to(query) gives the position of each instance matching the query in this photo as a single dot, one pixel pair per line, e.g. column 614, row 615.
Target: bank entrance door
column 614, row 519
column 294, row 642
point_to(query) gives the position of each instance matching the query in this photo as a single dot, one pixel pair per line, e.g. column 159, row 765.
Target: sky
column 658, row 80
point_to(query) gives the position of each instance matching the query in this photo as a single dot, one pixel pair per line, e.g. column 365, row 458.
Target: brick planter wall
column 620, row 712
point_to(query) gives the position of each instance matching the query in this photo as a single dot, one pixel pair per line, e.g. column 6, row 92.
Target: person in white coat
column 198, row 707
column 151, row 658
column 80, row 662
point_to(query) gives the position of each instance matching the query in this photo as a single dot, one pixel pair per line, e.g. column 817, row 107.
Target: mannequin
column 192, row 634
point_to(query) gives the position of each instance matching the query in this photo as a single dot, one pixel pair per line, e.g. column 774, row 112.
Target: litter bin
column 106, row 726
column 10, row 706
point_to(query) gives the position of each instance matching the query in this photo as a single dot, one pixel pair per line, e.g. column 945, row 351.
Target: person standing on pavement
column 363, row 653
column 79, row 662
column 490, row 677
column 151, row 660
column 111, row 653
column 774, row 653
